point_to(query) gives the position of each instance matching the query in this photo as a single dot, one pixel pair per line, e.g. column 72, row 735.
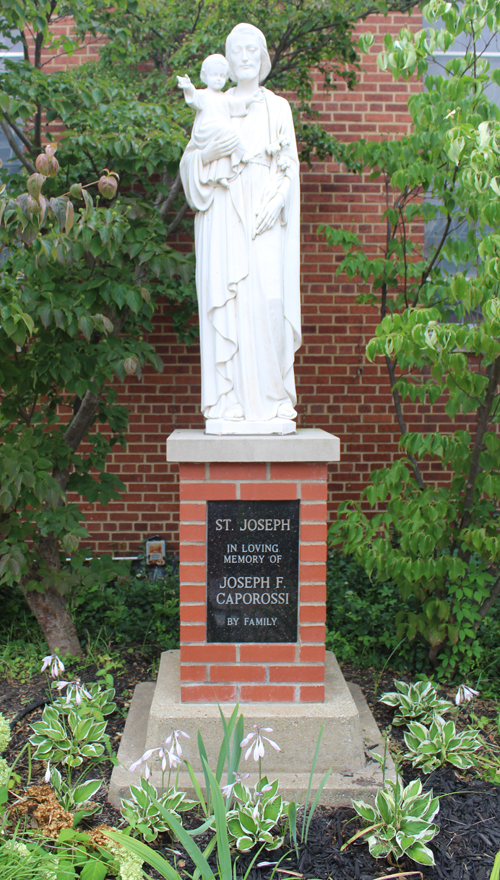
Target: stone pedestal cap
column 307, row 444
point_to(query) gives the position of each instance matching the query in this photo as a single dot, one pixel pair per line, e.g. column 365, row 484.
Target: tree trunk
column 50, row 610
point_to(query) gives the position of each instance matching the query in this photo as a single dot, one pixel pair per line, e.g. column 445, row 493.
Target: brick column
column 253, row 672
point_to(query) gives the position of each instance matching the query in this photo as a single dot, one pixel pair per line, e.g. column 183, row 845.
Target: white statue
column 240, row 173
column 215, row 109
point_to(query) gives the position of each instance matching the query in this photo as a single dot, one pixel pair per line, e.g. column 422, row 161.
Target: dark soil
column 469, row 816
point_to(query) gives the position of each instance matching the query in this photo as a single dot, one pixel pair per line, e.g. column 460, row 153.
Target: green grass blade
column 252, row 863
column 193, row 851
column 316, row 801
column 206, row 852
column 223, row 851
column 234, row 764
column 224, row 747
column 203, row 757
column 202, row 828
column 197, row 787
column 145, row 853
column 311, row 774
column 292, row 818
column 495, row 874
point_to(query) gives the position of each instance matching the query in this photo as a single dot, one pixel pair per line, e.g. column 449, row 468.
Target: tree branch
column 174, row 192
column 482, row 424
column 19, row 132
column 16, row 149
column 177, row 220
column 400, row 417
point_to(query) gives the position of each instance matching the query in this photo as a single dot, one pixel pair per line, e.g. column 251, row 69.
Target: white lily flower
column 465, row 694
column 173, row 741
column 257, row 746
column 48, row 773
column 227, row 789
column 73, row 686
column 163, row 755
column 55, row 663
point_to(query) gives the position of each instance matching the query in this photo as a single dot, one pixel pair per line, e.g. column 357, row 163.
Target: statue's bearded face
column 244, row 56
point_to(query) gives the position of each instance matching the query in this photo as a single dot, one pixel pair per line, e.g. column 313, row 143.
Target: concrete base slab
column 306, row 444
column 296, row 726
column 271, row 426
column 354, row 774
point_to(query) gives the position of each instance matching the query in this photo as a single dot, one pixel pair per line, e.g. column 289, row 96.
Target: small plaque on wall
column 252, row 571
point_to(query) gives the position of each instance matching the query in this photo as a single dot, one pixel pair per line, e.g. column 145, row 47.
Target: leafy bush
column 360, row 626
column 360, row 617
column 129, row 607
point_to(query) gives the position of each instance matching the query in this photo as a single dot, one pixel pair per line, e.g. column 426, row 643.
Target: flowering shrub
column 129, row 864
column 4, row 733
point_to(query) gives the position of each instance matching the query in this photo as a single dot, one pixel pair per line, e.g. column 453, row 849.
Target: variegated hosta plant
column 415, row 702
column 431, row 747
column 142, row 813
column 68, row 739
column 75, row 798
column 256, row 815
column 400, row 823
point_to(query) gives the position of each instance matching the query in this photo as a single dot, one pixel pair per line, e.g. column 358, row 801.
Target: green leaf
column 94, row 870
column 420, row 853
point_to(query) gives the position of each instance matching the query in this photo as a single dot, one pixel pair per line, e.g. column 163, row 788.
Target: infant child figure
column 214, row 110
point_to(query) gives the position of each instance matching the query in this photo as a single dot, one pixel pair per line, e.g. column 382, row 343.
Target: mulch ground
column 469, row 816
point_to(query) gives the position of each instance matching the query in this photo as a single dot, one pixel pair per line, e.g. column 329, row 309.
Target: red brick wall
column 338, row 389
column 248, row 672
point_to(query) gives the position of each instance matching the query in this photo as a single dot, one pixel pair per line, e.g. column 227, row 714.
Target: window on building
column 13, row 51
column 488, row 47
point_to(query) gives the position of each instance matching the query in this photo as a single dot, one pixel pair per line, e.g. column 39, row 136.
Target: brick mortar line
column 248, row 665
column 251, row 480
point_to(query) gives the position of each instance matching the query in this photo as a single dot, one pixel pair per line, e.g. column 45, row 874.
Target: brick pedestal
column 256, row 468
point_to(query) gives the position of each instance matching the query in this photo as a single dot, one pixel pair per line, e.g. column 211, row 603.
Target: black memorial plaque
column 252, row 571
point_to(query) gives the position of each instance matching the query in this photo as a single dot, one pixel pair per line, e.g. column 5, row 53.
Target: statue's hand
column 223, row 145
column 183, row 82
column 268, row 214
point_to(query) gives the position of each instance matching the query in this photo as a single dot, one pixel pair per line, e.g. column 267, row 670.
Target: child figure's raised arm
column 239, row 106
column 191, row 95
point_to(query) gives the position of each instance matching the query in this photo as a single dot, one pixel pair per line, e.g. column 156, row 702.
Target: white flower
column 227, row 789
column 464, row 694
column 258, row 745
column 173, row 742
column 77, row 687
column 163, row 754
column 48, row 773
column 55, row 663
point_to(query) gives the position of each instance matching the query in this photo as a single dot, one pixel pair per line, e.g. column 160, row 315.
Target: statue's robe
column 248, row 286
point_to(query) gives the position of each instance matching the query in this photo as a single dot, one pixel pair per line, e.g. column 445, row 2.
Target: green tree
column 437, row 535
column 76, row 294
